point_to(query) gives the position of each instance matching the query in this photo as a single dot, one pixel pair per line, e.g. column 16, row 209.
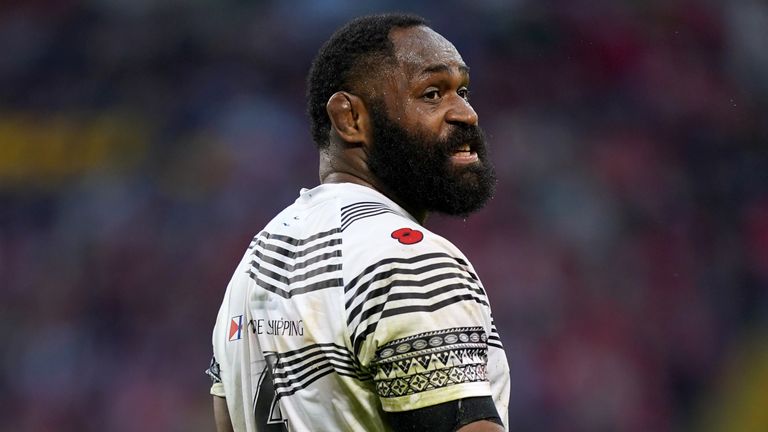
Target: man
column 346, row 314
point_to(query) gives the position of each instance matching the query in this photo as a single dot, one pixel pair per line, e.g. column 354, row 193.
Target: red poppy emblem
column 407, row 236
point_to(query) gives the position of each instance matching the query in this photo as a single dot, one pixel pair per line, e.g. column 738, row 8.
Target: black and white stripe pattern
column 287, row 266
column 361, row 210
column 493, row 338
column 298, row 369
column 399, row 286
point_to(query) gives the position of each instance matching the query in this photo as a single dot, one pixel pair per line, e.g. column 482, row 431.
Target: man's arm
column 221, row 415
column 482, row 426
column 474, row 414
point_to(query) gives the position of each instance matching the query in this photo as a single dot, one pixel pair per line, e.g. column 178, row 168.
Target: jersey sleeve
column 418, row 319
column 214, row 372
column 229, row 333
column 221, row 363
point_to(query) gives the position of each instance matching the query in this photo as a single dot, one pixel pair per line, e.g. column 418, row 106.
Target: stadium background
column 143, row 143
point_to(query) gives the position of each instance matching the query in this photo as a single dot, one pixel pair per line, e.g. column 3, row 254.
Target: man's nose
column 461, row 112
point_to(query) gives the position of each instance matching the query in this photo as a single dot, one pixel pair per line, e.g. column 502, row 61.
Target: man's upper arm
column 476, row 414
column 220, row 410
column 418, row 320
column 221, row 415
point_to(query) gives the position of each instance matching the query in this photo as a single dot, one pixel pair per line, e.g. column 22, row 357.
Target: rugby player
column 346, row 313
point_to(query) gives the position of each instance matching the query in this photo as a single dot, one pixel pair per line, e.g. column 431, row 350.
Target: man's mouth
column 464, row 155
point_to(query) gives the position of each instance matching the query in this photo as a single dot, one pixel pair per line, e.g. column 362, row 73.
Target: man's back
column 345, row 307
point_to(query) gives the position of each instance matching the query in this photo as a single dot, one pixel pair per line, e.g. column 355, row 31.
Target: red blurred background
column 143, row 143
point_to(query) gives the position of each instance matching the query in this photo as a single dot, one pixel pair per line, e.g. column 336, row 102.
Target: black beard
column 417, row 168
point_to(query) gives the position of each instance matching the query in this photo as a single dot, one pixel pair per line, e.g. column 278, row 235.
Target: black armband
column 448, row 416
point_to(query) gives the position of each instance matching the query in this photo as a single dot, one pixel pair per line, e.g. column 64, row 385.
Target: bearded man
column 345, row 313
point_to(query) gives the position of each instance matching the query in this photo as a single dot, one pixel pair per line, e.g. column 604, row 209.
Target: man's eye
column 432, row 95
column 464, row 93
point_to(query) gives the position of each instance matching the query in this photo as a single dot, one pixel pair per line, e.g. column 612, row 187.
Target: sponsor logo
column 236, row 328
column 278, row 327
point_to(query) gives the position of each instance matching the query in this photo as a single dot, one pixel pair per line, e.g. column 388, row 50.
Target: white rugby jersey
column 344, row 306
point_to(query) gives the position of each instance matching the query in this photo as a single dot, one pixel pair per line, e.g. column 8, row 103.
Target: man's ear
column 349, row 117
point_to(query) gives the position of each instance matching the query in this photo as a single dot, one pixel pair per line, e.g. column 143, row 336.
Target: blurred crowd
column 143, row 143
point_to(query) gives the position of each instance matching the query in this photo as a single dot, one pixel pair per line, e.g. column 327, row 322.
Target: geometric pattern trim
column 214, row 371
column 431, row 380
column 430, row 361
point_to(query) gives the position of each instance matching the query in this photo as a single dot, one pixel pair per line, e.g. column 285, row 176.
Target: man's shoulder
column 393, row 241
column 329, row 206
column 367, row 225
column 384, row 228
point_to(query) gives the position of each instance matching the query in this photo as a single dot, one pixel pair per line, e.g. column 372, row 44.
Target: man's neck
column 342, row 177
column 341, row 164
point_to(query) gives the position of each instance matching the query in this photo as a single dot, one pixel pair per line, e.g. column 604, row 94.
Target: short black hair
column 360, row 47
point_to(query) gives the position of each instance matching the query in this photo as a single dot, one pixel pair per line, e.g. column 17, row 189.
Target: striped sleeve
column 419, row 321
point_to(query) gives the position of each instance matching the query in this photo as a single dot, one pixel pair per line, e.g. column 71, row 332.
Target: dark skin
column 427, row 91
column 221, row 415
